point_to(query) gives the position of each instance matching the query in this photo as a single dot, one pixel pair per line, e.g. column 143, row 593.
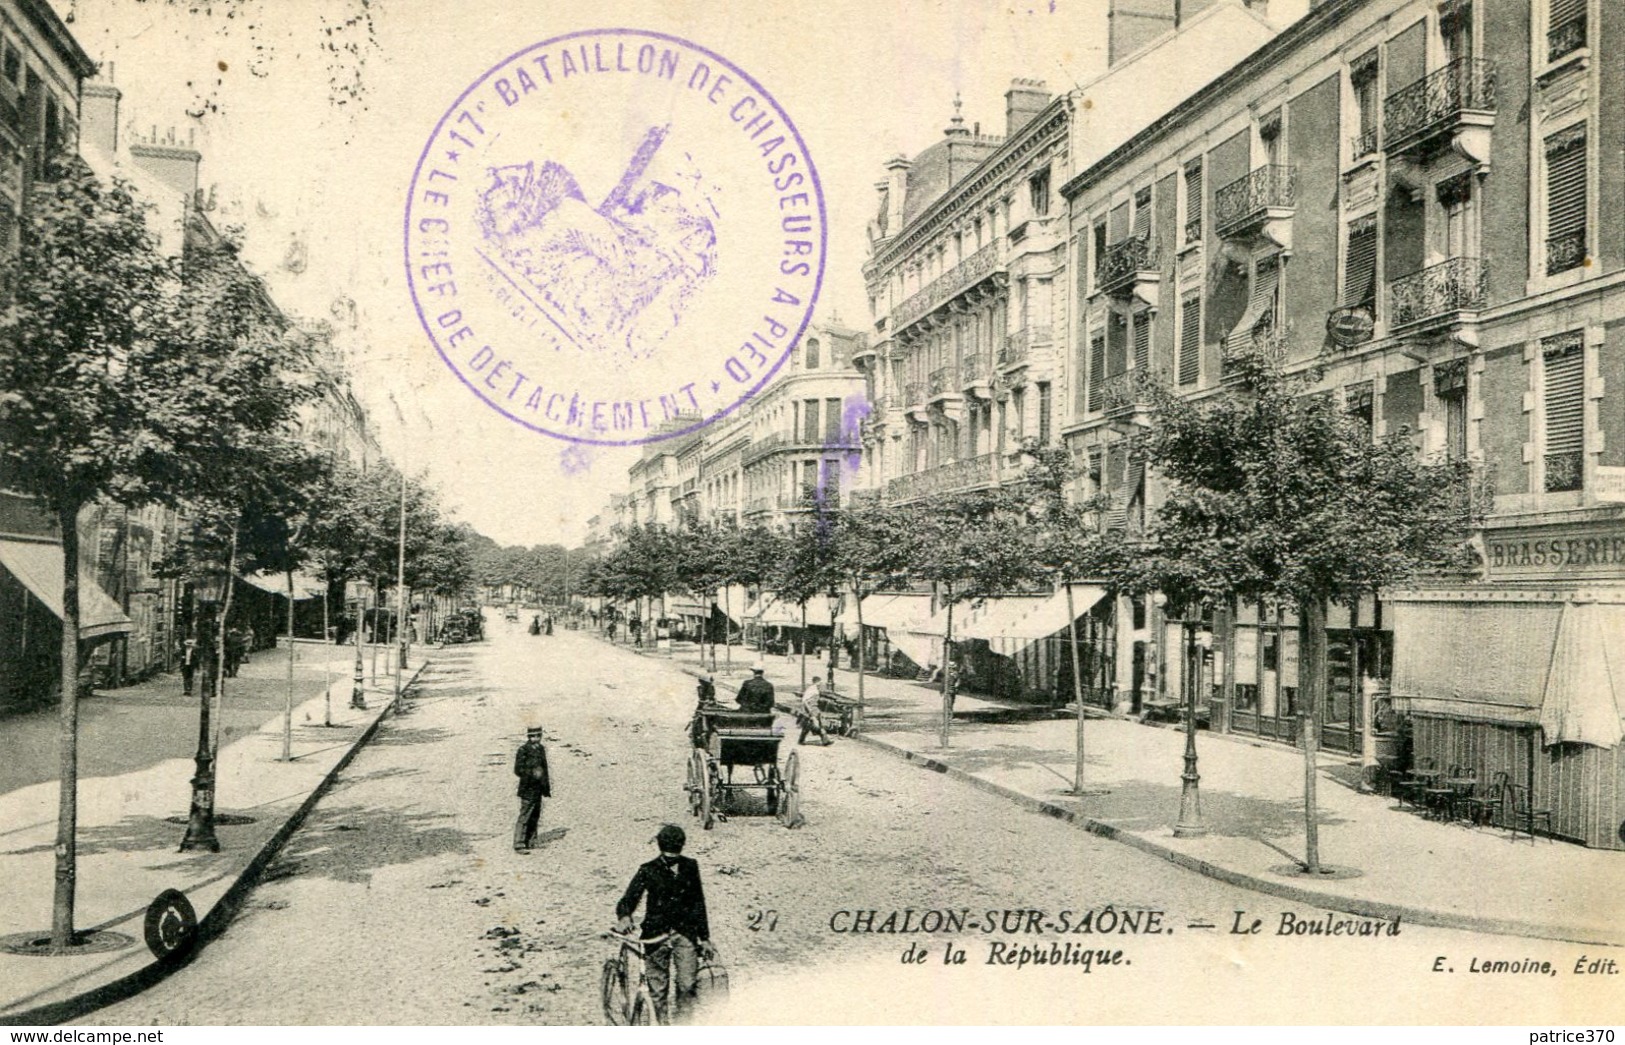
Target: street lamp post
column 400, row 599
column 200, row 816
column 1190, row 794
column 834, row 599
column 358, row 696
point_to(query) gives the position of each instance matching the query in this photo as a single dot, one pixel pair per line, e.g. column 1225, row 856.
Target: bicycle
column 624, row 989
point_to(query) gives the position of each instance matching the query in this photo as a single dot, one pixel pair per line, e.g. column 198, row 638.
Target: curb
column 1282, row 889
column 225, row 909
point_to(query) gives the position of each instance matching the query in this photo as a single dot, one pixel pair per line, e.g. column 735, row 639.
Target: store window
column 1563, row 359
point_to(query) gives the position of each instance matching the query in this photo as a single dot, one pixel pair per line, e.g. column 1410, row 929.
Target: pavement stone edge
column 224, row 910
column 1279, row 888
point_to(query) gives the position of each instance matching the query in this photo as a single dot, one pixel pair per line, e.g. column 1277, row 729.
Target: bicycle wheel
column 612, row 990
column 643, row 1008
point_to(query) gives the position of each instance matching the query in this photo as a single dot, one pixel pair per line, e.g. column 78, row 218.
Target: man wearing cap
column 530, row 766
column 757, row 693
column 676, row 904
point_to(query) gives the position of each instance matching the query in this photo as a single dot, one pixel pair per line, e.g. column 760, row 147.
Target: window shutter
column 1190, row 339
column 1261, row 303
column 1565, row 28
column 1193, row 201
column 1142, row 213
column 1565, row 199
column 1097, row 368
column 1044, row 408
column 1142, row 340
column 1360, row 268
column 1564, row 358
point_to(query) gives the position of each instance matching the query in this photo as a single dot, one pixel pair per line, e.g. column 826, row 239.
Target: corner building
column 1426, row 198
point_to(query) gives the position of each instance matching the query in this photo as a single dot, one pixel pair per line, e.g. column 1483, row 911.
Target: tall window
column 1566, row 199
column 1142, row 340
column 1269, row 137
column 1190, row 339
column 1360, row 262
column 1455, row 232
column 1038, row 187
column 812, row 354
column 1142, row 213
column 1564, row 359
column 832, row 422
column 1193, row 201
column 1044, row 409
column 1099, row 246
column 1565, row 28
column 1357, row 403
column 1456, row 30
column 809, row 421
column 1097, row 367
column 1363, row 78
column 1450, row 388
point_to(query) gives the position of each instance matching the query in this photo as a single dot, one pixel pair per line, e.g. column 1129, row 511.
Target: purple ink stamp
column 612, row 230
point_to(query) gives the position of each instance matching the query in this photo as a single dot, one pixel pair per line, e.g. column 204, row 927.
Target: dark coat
column 756, row 695
column 530, row 766
column 676, row 898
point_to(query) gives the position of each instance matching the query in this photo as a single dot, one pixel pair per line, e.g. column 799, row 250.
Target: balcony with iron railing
column 763, row 447
column 1128, row 396
column 971, row 473
column 758, row 505
column 1246, row 351
column 1020, row 347
column 976, row 372
column 968, row 273
column 1363, row 144
column 1452, row 106
column 1129, row 268
column 1448, row 294
column 944, row 382
column 1258, row 206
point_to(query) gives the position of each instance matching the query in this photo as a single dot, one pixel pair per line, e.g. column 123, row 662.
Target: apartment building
column 1416, row 195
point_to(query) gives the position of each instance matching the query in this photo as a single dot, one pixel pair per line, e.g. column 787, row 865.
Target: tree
column 1276, row 494
column 970, row 546
column 89, row 401
column 701, row 564
column 874, row 546
column 805, row 567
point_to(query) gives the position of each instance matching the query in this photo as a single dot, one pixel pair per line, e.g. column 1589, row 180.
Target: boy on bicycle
column 676, row 904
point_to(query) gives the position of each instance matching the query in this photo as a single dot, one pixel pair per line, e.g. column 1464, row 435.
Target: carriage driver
column 676, row 904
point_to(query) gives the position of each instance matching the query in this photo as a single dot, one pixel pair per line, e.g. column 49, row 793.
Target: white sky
column 319, row 187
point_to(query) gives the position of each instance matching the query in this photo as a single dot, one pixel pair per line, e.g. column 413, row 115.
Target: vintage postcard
column 1073, row 512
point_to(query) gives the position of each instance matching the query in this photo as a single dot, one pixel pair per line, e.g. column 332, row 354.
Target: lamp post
column 834, row 600
column 358, row 696
column 1190, row 794
column 200, row 816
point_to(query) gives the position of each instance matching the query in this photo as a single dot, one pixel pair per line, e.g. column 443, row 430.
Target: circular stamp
column 615, row 236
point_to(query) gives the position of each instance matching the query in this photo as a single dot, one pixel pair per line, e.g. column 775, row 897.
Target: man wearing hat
column 676, row 904
column 530, row 766
column 757, row 693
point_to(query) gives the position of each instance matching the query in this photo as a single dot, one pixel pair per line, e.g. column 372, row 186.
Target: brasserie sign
column 1557, row 551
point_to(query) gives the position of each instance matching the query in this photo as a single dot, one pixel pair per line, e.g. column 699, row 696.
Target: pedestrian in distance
column 675, row 904
column 536, row 625
column 530, row 766
column 811, row 714
column 757, row 694
column 189, row 662
column 236, row 650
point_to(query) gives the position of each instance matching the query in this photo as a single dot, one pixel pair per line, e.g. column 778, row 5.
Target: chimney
column 98, row 116
column 1131, row 24
column 1024, row 100
column 170, row 160
column 897, row 169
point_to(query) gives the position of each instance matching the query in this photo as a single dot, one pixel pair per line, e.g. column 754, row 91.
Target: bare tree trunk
column 857, row 717
column 327, row 664
column 67, row 819
column 727, row 629
column 947, row 671
column 287, row 703
column 1077, row 681
column 1311, row 689
column 801, row 644
column 220, row 665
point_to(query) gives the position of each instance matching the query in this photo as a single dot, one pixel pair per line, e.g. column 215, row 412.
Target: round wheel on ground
column 612, row 989
column 790, row 799
column 775, row 784
column 643, row 1009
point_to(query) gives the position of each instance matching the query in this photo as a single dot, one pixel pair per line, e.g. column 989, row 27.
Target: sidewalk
column 127, row 851
column 1421, row 871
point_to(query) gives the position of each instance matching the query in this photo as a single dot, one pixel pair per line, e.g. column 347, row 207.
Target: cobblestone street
column 400, row 900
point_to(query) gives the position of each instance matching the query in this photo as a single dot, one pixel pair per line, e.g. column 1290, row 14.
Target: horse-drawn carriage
column 726, row 741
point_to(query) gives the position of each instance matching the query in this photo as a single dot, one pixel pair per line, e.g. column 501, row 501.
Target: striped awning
column 38, row 566
column 1581, row 704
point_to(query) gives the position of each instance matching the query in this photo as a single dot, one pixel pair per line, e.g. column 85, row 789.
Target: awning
column 38, row 565
column 788, row 614
column 1050, row 615
column 1581, row 703
column 305, row 586
column 1485, row 661
column 733, row 601
column 923, row 649
column 898, row 612
column 686, row 607
column 994, row 618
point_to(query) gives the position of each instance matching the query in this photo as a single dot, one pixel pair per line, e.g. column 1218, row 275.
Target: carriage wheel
column 710, row 788
column 775, row 783
column 790, row 803
column 696, row 783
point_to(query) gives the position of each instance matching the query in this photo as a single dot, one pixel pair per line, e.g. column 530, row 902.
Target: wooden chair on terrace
column 1490, row 806
column 1524, row 814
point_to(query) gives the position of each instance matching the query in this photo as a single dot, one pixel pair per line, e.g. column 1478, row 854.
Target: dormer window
column 810, row 357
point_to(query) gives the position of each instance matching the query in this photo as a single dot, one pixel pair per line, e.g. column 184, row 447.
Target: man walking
column 530, row 766
column 811, row 712
column 189, row 659
column 676, row 904
column 757, row 693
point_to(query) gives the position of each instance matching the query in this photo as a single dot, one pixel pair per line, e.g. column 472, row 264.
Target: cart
column 727, row 741
column 839, row 714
